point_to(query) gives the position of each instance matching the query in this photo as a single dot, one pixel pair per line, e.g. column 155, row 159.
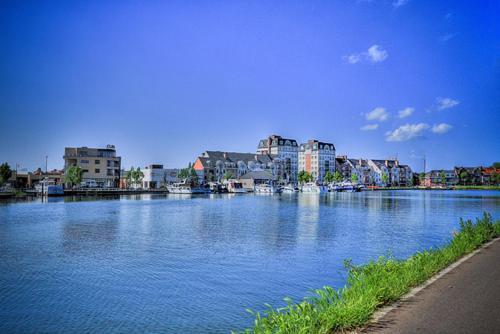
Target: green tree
column 73, row 175
column 228, row 175
column 184, row 173
column 354, row 178
column 385, row 178
column 5, row 173
column 134, row 176
column 496, row 165
column 328, row 177
column 442, row 177
column 304, row 177
column 464, row 177
column 337, row 177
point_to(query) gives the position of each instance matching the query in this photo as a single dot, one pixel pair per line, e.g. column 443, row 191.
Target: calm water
column 193, row 265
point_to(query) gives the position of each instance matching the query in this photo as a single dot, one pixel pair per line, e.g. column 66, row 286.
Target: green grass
column 458, row 187
column 372, row 286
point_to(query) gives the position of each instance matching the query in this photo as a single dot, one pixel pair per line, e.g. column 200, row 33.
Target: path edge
column 379, row 314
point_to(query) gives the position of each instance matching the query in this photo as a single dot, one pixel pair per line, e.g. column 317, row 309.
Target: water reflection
column 134, row 258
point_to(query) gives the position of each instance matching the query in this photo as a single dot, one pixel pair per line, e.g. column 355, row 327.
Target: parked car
column 88, row 184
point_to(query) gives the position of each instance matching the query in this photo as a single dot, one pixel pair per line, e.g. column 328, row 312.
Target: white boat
column 349, row 187
column 49, row 188
column 185, row 188
column 313, row 188
column 290, row 189
column 266, row 189
column 234, row 186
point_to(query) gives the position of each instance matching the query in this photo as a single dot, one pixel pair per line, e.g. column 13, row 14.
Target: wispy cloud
column 377, row 114
column 441, row 128
column 447, row 37
column 406, row 132
column 399, row 3
column 405, row 112
column 374, row 54
column 369, row 127
column 446, row 103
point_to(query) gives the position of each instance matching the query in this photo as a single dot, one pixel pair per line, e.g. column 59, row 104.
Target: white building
column 155, row 176
column 317, row 158
column 286, row 151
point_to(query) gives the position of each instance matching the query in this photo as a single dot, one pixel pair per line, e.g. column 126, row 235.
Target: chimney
column 360, row 161
column 396, row 162
column 387, row 163
column 225, row 155
column 256, row 157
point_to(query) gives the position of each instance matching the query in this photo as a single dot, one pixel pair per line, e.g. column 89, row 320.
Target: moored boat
column 266, row 189
column 186, row 188
column 49, row 188
column 313, row 188
column 234, row 186
column 290, row 188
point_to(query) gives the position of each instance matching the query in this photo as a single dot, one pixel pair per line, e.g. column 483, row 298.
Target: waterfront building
column 317, row 158
column 396, row 174
column 156, row 177
column 213, row 165
column 435, row 177
column 99, row 164
column 285, row 150
column 253, row 178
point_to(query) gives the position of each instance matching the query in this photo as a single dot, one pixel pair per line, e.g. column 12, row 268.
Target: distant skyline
column 165, row 81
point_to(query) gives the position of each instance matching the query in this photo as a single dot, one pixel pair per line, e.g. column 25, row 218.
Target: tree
column 354, row 178
column 73, row 175
column 385, row 178
column 228, row 175
column 134, row 176
column 496, row 165
column 464, row 176
column 304, row 177
column 328, row 177
column 183, row 173
column 442, row 177
column 5, row 173
column 337, row 177
column 137, row 176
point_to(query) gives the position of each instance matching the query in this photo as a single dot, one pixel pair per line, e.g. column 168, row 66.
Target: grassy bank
column 477, row 187
column 372, row 286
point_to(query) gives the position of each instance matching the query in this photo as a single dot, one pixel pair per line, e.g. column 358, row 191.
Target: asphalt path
column 464, row 300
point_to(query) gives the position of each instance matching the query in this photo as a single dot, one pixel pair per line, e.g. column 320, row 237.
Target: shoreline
column 376, row 285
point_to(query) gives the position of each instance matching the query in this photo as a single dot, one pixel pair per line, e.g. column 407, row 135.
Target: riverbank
column 463, row 298
column 371, row 286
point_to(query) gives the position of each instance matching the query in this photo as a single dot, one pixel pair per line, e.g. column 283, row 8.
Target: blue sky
column 166, row 80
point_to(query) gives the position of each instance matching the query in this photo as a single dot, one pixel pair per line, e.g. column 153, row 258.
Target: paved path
column 465, row 300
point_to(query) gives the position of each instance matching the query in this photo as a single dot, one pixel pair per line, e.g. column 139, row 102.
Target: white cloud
column 405, row 112
column 441, row 128
column 406, row 132
column 377, row 114
column 374, row 54
column 399, row 3
column 369, row 127
column 446, row 103
column 446, row 38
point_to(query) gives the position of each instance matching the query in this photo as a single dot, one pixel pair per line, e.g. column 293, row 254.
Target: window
column 98, row 162
column 84, row 161
column 97, row 170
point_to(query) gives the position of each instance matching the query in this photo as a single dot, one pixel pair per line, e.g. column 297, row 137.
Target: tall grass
column 372, row 286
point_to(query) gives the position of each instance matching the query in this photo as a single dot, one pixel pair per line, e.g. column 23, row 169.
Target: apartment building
column 213, row 165
column 317, row 158
column 286, row 151
column 99, row 164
